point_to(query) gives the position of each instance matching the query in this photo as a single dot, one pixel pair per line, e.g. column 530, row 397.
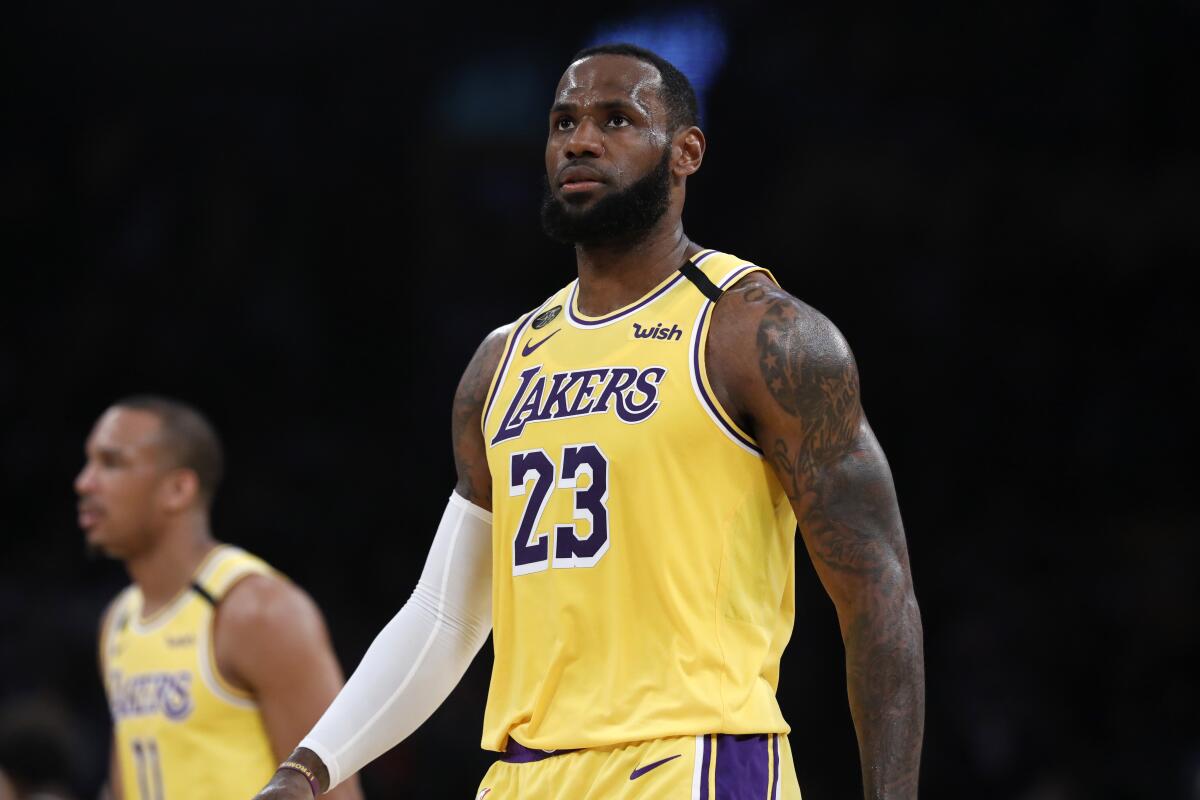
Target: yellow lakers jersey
column 181, row 731
column 643, row 549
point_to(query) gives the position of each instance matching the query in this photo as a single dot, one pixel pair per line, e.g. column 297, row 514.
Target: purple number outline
column 527, row 540
column 570, row 551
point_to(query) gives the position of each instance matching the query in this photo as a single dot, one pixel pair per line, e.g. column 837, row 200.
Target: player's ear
column 181, row 488
column 688, row 146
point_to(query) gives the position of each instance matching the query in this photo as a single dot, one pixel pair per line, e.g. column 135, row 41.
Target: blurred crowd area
column 304, row 218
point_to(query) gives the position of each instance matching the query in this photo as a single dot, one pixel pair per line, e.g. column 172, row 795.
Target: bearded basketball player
column 633, row 458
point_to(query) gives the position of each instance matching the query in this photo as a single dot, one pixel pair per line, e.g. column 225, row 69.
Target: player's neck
column 614, row 275
column 163, row 571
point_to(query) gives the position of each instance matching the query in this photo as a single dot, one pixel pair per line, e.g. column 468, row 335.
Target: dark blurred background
column 304, row 217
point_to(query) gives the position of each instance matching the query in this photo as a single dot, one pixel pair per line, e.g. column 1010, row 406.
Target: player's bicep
column 809, row 421
column 470, row 452
column 847, row 512
column 272, row 638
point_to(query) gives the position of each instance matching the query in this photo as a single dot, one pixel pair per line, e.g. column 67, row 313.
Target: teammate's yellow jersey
column 643, row 548
column 181, row 731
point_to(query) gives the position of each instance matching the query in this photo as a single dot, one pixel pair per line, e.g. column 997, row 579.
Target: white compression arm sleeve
column 421, row 654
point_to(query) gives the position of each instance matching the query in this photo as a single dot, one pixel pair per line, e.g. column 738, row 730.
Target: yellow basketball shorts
column 711, row 767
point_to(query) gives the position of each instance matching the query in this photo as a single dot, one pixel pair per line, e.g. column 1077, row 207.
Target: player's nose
column 85, row 481
column 585, row 140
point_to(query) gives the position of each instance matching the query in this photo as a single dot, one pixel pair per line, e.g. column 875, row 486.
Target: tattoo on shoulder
column 470, row 460
column 806, row 382
column 472, row 390
column 812, row 378
column 754, row 294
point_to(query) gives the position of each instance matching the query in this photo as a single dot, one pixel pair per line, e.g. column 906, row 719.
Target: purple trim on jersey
column 612, row 317
column 704, row 762
column 775, row 777
column 696, row 356
column 517, row 753
column 512, row 346
column 592, row 323
column 742, row 768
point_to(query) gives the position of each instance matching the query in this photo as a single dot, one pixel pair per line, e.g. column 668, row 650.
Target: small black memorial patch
column 546, row 317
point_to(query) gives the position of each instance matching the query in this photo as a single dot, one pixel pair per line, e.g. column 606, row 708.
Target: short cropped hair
column 677, row 93
column 188, row 439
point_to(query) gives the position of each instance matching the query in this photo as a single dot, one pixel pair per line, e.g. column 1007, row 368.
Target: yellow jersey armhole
column 701, row 383
column 218, row 582
column 506, row 357
column 500, row 365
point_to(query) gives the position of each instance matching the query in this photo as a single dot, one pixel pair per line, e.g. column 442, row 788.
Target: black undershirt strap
column 200, row 590
column 701, row 281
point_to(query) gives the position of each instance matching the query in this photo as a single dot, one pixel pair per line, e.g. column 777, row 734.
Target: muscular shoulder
column 470, row 456
column 769, row 352
column 260, row 605
column 263, row 624
column 477, row 377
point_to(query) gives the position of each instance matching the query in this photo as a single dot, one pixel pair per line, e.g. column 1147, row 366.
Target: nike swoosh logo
column 640, row 771
column 529, row 348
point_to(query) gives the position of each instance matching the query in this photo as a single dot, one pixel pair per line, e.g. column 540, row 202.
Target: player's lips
column 579, row 179
column 89, row 516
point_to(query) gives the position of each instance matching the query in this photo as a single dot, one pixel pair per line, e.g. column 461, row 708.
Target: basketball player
column 633, row 457
column 214, row 664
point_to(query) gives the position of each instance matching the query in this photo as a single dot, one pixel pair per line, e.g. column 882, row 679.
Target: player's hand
column 286, row 784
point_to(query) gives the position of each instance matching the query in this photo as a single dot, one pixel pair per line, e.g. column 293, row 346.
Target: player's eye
column 619, row 121
column 563, row 124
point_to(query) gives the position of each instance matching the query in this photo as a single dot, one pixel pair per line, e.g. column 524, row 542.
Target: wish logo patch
column 658, row 332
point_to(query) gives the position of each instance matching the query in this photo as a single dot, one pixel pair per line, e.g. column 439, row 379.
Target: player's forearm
column 418, row 658
column 885, row 676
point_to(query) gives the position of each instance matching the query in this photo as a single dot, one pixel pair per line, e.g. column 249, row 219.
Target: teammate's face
column 121, row 487
column 608, row 151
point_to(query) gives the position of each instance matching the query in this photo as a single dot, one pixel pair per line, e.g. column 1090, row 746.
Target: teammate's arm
column 790, row 377
column 271, row 640
column 396, row 687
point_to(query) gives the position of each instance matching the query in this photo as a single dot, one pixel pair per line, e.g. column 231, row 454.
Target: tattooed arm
column 466, row 425
column 790, row 379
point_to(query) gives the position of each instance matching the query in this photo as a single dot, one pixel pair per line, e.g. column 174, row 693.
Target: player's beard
column 624, row 216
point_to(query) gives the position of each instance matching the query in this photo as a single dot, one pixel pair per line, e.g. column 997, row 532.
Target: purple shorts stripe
column 742, row 766
column 775, row 781
column 517, row 753
column 704, row 762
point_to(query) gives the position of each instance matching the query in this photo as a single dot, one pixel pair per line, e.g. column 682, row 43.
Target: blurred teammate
column 214, row 664
column 633, row 456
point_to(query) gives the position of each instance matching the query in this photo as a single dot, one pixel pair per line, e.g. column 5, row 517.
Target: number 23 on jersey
column 534, row 474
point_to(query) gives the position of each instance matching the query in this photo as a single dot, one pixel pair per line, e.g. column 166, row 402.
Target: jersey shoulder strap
column 226, row 568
